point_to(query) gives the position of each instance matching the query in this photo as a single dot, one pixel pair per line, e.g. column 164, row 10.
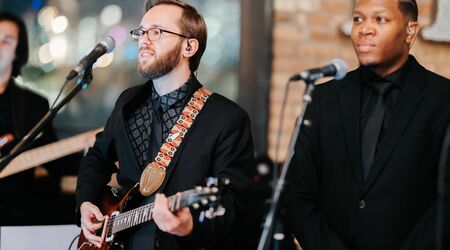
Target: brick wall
column 306, row 34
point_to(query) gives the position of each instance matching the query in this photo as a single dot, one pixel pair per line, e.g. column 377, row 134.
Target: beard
column 161, row 66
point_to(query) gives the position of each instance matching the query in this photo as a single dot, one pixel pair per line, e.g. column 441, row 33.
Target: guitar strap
column 153, row 175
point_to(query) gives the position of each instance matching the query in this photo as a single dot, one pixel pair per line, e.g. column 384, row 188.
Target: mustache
column 146, row 48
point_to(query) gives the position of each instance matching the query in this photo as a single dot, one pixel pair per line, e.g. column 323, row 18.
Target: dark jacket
column 332, row 206
column 27, row 109
column 219, row 144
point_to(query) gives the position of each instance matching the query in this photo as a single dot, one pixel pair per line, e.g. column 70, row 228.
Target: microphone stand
column 264, row 241
column 34, row 132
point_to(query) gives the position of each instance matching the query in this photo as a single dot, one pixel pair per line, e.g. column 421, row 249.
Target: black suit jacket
column 27, row 109
column 331, row 206
column 219, row 143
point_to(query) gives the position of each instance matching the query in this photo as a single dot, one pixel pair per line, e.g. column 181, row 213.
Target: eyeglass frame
column 145, row 32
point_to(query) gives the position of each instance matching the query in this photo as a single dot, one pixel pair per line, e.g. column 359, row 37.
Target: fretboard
column 144, row 213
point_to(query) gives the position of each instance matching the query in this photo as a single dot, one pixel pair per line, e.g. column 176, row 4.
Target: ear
column 412, row 29
column 190, row 47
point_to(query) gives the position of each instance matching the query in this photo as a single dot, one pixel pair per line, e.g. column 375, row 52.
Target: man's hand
column 180, row 223
column 91, row 221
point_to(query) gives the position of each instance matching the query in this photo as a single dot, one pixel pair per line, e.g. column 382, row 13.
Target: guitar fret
column 142, row 215
column 145, row 213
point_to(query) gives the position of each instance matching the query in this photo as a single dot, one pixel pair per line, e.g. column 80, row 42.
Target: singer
column 171, row 39
column 364, row 173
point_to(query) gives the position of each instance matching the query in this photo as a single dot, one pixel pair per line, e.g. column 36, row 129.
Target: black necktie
column 371, row 131
column 156, row 136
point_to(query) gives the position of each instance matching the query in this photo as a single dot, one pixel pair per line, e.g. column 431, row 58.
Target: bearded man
column 171, row 39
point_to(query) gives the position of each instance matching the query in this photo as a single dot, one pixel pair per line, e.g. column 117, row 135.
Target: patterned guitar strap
column 153, row 175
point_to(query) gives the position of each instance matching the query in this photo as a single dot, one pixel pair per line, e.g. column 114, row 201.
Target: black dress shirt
column 368, row 97
column 157, row 112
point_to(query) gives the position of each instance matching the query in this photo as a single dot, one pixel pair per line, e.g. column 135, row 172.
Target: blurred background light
column 59, row 24
column 111, row 15
column 44, row 54
column 36, row 4
column 58, row 49
column 131, row 52
column 119, row 33
column 105, row 60
column 46, row 16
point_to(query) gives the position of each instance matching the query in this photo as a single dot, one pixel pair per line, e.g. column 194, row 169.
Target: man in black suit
column 171, row 40
column 15, row 102
column 364, row 174
column 20, row 110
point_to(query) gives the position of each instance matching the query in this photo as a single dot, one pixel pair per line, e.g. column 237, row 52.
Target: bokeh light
column 105, row 60
column 111, row 15
column 44, row 54
column 59, row 24
column 46, row 16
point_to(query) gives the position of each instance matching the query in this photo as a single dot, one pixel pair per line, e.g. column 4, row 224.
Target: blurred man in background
column 20, row 110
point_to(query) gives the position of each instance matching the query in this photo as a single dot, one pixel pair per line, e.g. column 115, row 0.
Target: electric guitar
column 117, row 221
column 52, row 151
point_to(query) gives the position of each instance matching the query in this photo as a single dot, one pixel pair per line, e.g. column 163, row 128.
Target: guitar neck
column 49, row 152
column 145, row 213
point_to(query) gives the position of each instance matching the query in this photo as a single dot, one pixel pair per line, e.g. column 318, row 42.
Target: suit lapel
column 409, row 100
column 350, row 97
column 128, row 107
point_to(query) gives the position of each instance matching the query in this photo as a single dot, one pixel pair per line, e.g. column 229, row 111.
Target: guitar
column 52, row 151
column 117, row 221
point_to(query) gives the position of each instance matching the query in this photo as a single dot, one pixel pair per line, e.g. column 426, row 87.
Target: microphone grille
column 108, row 42
column 341, row 68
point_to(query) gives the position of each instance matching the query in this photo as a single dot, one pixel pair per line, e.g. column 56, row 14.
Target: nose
column 144, row 39
column 366, row 28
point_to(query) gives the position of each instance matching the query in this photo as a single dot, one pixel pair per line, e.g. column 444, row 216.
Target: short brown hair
column 192, row 25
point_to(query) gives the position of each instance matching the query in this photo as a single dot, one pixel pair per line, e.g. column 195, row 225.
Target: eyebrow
column 151, row 27
column 375, row 12
column 7, row 37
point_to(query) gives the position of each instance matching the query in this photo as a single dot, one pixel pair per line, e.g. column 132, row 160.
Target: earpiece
column 188, row 47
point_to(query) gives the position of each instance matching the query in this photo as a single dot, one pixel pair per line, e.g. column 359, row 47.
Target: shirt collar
column 170, row 99
column 397, row 77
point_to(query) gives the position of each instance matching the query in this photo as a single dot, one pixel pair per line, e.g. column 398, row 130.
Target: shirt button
column 362, row 204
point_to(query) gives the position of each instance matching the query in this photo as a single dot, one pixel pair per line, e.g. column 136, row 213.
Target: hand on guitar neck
column 170, row 214
column 179, row 223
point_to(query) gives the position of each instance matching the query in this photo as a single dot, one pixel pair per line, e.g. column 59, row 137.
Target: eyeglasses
column 153, row 34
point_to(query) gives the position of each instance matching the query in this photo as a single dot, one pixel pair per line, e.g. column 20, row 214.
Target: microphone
column 337, row 69
column 104, row 45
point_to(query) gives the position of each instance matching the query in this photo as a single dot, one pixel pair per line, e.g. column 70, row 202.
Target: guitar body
column 110, row 204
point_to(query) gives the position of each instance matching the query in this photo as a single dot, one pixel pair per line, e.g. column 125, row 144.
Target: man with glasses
column 171, row 40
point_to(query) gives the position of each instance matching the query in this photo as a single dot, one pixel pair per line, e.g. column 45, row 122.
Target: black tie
column 156, row 136
column 371, row 131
